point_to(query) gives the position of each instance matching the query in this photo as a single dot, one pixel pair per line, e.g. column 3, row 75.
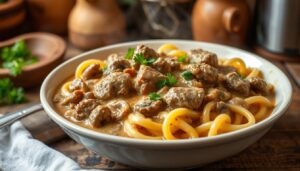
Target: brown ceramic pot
column 51, row 16
column 94, row 23
column 48, row 48
column 12, row 15
column 221, row 21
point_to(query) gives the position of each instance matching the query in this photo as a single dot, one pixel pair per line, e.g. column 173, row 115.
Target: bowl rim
column 189, row 143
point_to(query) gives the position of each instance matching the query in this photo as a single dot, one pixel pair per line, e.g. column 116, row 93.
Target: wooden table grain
column 279, row 149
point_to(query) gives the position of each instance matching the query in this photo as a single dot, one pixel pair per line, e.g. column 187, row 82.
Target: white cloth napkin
column 19, row 151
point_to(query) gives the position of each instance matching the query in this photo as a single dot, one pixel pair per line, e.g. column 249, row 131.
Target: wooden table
column 279, row 149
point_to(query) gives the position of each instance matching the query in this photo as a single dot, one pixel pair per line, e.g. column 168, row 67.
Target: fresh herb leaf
column 181, row 59
column 130, row 53
column 243, row 77
column 16, row 57
column 154, row 96
column 10, row 94
column 170, row 81
column 139, row 58
column 2, row 1
column 161, row 83
column 187, row 75
column 104, row 69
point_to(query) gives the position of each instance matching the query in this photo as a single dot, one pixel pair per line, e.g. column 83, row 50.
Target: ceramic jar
column 95, row 23
column 12, row 16
column 51, row 16
column 221, row 21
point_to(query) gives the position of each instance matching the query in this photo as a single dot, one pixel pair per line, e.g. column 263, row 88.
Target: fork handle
column 9, row 118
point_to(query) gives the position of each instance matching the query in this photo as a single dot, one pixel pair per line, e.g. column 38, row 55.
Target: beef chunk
column 222, row 107
column 226, row 69
column 146, row 52
column 148, row 107
column 84, row 108
column 181, row 82
column 184, row 97
column 74, row 97
column 92, row 71
column 235, row 83
column 238, row 101
column 166, row 64
column 89, row 95
column 258, row 85
column 119, row 109
column 146, row 79
column 115, row 84
column 117, row 63
column 99, row 115
column 78, row 84
column 204, row 72
column 202, row 56
column 215, row 94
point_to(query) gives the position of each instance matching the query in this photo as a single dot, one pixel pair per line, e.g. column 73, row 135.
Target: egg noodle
column 181, row 123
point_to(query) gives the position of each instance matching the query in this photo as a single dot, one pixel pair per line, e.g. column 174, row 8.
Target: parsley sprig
column 139, row 58
column 170, row 81
column 16, row 57
column 154, row 96
column 10, row 94
column 129, row 53
column 187, row 75
column 181, row 59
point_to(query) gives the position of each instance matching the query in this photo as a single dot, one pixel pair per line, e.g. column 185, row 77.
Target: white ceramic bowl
column 168, row 154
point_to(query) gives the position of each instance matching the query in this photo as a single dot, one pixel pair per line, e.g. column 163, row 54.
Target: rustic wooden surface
column 279, row 149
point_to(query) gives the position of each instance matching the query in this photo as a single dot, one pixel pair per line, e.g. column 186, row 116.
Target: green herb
column 181, row 59
column 10, row 94
column 170, row 81
column 130, row 53
column 139, row 58
column 154, row 96
column 104, row 69
column 16, row 57
column 2, row 1
column 187, row 75
column 161, row 83
column 242, row 77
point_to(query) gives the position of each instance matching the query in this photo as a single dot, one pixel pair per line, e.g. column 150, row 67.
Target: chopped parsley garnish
column 130, row 53
column 170, row 81
column 242, row 77
column 104, row 69
column 154, row 96
column 16, row 57
column 139, row 58
column 10, row 94
column 187, row 75
column 181, row 59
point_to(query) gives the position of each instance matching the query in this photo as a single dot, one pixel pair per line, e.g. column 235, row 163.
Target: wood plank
column 294, row 69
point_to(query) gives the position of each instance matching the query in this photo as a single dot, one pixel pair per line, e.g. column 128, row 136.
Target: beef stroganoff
column 165, row 94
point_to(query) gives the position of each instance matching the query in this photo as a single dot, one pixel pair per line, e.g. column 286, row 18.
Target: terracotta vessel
column 94, row 23
column 48, row 48
column 221, row 21
column 51, row 16
column 12, row 15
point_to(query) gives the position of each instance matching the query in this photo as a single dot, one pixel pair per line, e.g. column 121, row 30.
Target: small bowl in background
column 48, row 48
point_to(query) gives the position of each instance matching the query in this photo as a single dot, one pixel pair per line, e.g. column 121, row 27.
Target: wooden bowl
column 12, row 15
column 48, row 48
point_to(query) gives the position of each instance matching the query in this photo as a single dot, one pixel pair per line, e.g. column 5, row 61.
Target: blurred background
column 270, row 27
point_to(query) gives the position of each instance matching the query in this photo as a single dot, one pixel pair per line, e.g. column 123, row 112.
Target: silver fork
column 11, row 117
